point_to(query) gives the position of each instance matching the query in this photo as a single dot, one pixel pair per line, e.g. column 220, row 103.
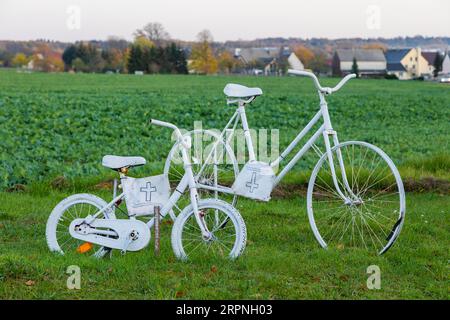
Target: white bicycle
column 355, row 195
column 86, row 223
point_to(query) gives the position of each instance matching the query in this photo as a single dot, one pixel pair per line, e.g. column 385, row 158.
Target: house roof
column 430, row 57
column 395, row 66
column 360, row 54
column 395, row 55
column 263, row 54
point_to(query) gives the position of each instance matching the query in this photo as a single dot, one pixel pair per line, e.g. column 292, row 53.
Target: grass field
column 282, row 259
column 55, row 128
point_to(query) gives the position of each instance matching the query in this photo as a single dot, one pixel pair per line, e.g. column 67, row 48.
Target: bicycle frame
column 188, row 180
column 326, row 130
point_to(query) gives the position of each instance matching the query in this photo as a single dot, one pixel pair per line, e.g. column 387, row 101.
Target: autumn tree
column 113, row 59
column 202, row 56
column 226, row 62
column 19, row 60
column 319, row 63
column 47, row 60
column 305, row 55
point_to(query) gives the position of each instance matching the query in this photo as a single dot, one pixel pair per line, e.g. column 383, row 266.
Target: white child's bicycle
column 206, row 227
column 355, row 194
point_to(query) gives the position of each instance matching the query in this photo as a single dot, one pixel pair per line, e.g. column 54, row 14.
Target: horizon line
column 238, row 40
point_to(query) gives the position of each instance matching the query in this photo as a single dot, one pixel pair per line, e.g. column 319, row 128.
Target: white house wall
column 295, row 63
column 364, row 65
column 446, row 65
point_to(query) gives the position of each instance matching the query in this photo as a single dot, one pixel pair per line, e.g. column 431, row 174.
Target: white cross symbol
column 148, row 189
column 252, row 183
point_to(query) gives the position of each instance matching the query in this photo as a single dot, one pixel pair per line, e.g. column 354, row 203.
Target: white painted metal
column 255, row 181
column 231, row 216
column 117, row 162
column 57, row 215
column 232, row 90
column 143, row 194
column 122, row 234
column 131, row 234
column 325, row 130
column 399, row 184
column 247, row 135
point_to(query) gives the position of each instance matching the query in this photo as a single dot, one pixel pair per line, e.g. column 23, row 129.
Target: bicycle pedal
column 85, row 247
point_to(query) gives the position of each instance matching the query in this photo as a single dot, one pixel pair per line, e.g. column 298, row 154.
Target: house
column 446, row 64
column 295, row 62
column 371, row 62
column 430, row 56
column 408, row 63
column 270, row 61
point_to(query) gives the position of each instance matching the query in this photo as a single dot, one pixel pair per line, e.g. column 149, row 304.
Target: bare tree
column 153, row 31
column 205, row 36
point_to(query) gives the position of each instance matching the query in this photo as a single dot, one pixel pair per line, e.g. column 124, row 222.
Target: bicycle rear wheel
column 371, row 213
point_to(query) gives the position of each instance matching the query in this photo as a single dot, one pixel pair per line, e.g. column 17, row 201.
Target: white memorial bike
column 355, row 195
column 206, row 227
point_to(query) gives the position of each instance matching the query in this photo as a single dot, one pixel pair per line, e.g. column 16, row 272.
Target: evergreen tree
column 437, row 64
column 176, row 59
column 134, row 58
column 69, row 54
column 355, row 69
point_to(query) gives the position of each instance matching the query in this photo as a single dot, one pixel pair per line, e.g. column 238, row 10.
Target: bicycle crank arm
column 112, row 233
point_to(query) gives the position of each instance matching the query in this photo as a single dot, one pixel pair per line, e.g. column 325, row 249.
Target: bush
column 391, row 77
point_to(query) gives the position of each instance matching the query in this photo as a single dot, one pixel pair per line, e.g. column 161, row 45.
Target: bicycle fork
column 328, row 130
column 189, row 175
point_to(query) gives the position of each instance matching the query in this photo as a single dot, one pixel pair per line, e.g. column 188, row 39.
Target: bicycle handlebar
column 325, row 90
column 180, row 137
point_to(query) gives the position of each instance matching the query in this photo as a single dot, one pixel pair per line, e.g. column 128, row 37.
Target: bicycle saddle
column 118, row 162
column 232, row 90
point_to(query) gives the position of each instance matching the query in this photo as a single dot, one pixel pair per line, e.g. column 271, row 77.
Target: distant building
column 269, row 61
column 409, row 63
column 431, row 59
column 32, row 63
column 371, row 62
column 446, row 64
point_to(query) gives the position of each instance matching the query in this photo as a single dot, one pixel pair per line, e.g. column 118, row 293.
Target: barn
column 371, row 62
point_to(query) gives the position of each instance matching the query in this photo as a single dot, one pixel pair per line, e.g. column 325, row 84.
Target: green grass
column 62, row 124
column 282, row 259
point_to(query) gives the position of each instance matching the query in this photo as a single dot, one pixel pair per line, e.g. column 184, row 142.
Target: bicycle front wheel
column 229, row 233
column 364, row 207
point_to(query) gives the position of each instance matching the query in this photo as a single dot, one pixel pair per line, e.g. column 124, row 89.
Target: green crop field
column 62, row 124
column 55, row 128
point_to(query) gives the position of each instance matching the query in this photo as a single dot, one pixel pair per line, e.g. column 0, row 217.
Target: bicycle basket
column 255, row 181
column 143, row 194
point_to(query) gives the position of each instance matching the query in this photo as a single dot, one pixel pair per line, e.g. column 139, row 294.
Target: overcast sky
column 69, row 20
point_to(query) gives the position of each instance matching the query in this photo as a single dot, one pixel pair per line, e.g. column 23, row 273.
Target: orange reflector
column 85, row 247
